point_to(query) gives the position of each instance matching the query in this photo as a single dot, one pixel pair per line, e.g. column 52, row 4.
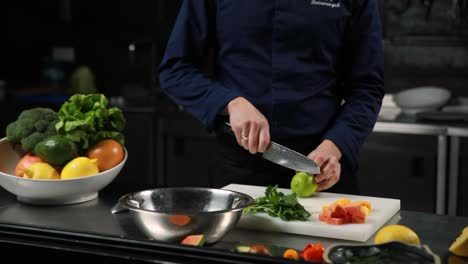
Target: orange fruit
column 291, row 254
column 108, row 152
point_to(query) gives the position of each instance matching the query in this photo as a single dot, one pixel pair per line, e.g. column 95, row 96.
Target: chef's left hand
column 327, row 156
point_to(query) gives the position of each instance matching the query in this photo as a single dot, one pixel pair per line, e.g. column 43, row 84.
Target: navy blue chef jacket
column 312, row 67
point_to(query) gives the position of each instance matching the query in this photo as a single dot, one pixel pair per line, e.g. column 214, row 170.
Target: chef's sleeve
column 361, row 81
column 180, row 73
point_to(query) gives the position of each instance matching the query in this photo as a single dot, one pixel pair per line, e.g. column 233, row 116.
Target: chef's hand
column 327, row 156
column 249, row 125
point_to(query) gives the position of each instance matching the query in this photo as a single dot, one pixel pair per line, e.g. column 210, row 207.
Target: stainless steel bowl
column 170, row 214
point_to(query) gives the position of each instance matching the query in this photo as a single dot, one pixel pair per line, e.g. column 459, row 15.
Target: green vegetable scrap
column 86, row 119
column 276, row 204
column 31, row 127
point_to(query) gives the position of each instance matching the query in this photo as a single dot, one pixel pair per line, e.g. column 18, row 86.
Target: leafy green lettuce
column 86, row 119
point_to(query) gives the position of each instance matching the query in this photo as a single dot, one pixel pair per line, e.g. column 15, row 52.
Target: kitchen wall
column 426, row 43
column 99, row 32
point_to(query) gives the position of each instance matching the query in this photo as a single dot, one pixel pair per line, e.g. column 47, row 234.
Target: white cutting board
column 382, row 210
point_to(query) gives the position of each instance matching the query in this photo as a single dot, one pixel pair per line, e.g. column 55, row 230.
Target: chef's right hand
column 249, row 125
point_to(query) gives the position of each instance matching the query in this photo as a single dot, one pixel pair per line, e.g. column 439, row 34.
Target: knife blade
column 285, row 156
column 289, row 158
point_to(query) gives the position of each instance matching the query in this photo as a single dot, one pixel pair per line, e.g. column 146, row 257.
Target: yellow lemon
column 41, row 171
column 460, row 245
column 397, row 233
column 79, row 167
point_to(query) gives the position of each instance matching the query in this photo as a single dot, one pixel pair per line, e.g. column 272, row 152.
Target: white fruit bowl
column 51, row 192
column 421, row 99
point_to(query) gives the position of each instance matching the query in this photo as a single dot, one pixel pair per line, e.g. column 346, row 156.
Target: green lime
column 304, row 184
column 56, row 150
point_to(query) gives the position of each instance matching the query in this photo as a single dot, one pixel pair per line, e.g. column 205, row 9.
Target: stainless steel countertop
column 94, row 217
column 410, row 124
column 457, row 131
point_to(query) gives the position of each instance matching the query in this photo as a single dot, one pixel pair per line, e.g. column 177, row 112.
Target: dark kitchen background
column 116, row 45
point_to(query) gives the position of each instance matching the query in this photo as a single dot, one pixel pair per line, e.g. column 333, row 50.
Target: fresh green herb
column 276, row 204
column 86, row 119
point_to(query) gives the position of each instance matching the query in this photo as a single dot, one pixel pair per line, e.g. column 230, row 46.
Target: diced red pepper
column 313, row 252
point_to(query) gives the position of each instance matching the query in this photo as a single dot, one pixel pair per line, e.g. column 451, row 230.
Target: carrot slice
column 291, row 254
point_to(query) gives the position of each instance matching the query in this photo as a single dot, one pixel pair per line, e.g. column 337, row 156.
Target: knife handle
column 226, row 128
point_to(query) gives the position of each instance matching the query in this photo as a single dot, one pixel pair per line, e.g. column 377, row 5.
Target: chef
column 307, row 74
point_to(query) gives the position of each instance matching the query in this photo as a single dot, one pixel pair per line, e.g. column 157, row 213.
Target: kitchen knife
column 285, row 157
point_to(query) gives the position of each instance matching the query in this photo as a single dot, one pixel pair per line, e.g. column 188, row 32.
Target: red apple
column 25, row 162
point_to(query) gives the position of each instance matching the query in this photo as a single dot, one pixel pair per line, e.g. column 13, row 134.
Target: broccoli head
column 31, row 127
